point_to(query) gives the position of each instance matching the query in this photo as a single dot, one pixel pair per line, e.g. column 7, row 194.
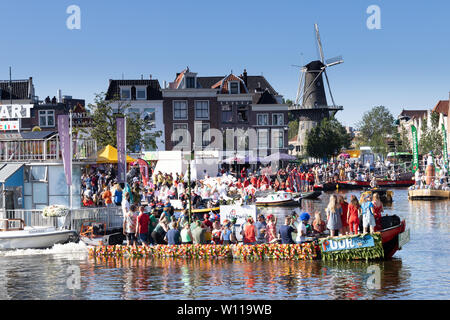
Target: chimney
column 165, row 84
column 245, row 77
column 150, row 77
column 59, row 95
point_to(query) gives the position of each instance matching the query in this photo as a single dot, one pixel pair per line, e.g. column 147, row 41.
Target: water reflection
column 419, row 271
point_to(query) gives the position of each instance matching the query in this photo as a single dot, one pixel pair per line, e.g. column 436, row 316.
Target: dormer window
column 125, row 93
column 190, row 82
column 234, row 87
column 141, row 93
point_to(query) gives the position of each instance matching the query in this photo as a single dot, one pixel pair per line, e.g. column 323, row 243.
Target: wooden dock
column 428, row 194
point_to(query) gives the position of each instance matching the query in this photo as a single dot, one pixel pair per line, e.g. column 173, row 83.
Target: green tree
column 431, row 137
column 376, row 127
column 104, row 129
column 327, row 139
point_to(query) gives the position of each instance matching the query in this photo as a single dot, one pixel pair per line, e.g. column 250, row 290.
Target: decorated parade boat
column 428, row 194
column 376, row 246
column 279, row 199
column 94, row 233
column 15, row 235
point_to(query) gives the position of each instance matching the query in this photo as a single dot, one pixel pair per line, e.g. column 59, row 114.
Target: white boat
column 278, row 199
column 22, row 237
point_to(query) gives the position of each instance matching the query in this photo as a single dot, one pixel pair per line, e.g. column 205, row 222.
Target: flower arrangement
column 304, row 251
column 55, row 211
column 361, row 253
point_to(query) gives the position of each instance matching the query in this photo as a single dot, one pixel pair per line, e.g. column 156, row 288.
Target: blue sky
column 405, row 64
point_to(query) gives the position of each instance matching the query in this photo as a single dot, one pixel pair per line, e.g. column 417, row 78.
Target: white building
column 145, row 99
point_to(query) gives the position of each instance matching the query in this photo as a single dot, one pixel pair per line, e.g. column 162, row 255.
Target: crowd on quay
column 150, row 218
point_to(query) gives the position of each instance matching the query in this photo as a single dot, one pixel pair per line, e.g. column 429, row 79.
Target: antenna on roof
column 10, row 85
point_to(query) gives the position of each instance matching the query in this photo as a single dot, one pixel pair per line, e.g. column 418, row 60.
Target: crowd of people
column 150, row 218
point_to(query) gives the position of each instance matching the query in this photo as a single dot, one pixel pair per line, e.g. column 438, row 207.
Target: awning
column 109, row 155
column 7, row 170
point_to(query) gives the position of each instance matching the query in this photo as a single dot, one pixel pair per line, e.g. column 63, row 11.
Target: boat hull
column 428, row 194
column 381, row 183
column 40, row 239
column 311, row 195
column 286, row 203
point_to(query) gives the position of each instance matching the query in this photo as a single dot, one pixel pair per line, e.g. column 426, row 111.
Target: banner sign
column 64, row 140
column 346, row 243
column 241, row 213
column 415, row 164
column 143, row 167
column 10, row 125
column 15, row 111
column 444, row 146
column 121, row 150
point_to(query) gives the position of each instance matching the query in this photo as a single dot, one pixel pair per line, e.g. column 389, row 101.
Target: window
column 262, row 119
column 242, row 114
column 263, row 139
column 125, row 93
column 278, row 119
column 202, row 110
column 190, row 82
column 180, row 111
column 202, row 134
column 227, row 114
column 277, row 139
column 149, row 117
column 133, row 112
column 234, row 87
column 38, row 173
column 46, row 118
column 180, row 135
column 141, row 93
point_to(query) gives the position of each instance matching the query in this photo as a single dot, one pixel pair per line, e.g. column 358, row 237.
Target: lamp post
column 191, row 154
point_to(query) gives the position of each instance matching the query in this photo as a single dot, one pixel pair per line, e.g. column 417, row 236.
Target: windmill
column 311, row 88
column 311, row 104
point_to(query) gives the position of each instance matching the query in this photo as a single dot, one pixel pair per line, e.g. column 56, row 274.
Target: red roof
column 442, row 107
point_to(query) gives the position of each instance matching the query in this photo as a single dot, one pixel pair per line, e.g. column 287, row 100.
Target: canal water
column 419, row 271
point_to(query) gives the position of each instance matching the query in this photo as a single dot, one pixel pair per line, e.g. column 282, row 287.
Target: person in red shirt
column 377, row 210
column 239, row 184
column 249, row 236
column 243, row 173
column 207, row 223
column 246, row 183
column 303, row 181
column 254, row 181
column 310, row 178
column 142, row 226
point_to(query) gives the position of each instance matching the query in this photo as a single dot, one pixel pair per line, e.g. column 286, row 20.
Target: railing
column 111, row 216
column 45, row 150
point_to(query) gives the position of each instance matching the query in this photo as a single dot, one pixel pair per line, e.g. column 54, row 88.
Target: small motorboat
column 279, row 199
column 311, row 194
column 386, row 196
column 94, row 233
column 15, row 235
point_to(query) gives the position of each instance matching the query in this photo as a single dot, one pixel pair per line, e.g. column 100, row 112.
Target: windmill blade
column 334, row 61
column 329, row 89
column 319, row 43
column 299, row 90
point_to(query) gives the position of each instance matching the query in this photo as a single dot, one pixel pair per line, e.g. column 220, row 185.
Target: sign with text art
column 444, row 146
column 121, row 150
column 64, row 141
column 415, row 164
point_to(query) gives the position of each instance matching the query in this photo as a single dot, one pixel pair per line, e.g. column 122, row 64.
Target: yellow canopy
column 109, row 155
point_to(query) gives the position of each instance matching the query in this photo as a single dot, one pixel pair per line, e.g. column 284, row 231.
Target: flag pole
column 71, row 155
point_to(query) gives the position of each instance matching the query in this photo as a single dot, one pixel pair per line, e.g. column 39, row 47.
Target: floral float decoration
column 354, row 247
column 304, row 251
column 55, row 211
